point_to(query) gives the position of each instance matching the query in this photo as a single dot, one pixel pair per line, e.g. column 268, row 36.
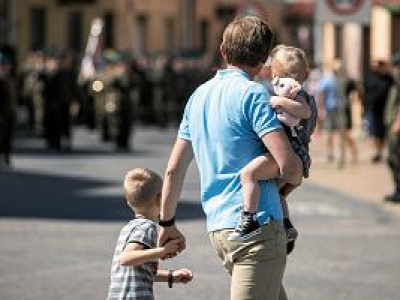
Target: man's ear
column 222, row 51
column 265, row 58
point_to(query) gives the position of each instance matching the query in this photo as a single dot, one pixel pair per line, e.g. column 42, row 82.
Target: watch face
column 345, row 7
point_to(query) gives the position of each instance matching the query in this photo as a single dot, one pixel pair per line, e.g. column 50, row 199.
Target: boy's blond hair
column 288, row 61
column 141, row 185
column 247, row 41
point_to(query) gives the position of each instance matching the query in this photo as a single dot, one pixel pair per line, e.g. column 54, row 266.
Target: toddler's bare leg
column 263, row 167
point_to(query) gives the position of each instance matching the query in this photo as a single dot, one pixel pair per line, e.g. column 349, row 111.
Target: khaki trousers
column 256, row 265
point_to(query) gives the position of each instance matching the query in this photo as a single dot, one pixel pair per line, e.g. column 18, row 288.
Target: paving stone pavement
column 60, row 215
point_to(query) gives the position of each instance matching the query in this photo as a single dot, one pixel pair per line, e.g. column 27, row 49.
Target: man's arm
column 289, row 163
column 179, row 161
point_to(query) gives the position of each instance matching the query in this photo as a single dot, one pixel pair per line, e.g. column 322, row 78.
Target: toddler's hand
column 275, row 102
column 296, row 87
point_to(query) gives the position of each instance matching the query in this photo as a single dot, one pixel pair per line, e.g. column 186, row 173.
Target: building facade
column 151, row 27
column 144, row 27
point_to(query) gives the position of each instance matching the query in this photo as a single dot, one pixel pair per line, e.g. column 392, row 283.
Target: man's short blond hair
column 288, row 61
column 247, row 41
column 141, row 185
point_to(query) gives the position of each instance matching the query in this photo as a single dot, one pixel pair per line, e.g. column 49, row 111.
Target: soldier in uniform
column 7, row 109
column 112, row 93
column 52, row 102
column 392, row 120
column 32, row 88
column 67, row 81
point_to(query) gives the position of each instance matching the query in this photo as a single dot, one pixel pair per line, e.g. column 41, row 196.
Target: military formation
column 123, row 91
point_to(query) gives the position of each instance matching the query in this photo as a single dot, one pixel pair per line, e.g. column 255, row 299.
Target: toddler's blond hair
column 288, row 61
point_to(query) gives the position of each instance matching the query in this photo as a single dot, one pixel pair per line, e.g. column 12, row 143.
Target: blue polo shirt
column 224, row 120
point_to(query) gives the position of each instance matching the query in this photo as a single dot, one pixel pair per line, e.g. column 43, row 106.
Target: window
column 338, row 41
column 74, row 29
column 5, row 22
column 169, row 34
column 204, row 35
column 37, row 28
column 108, row 30
column 141, row 34
column 66, row 2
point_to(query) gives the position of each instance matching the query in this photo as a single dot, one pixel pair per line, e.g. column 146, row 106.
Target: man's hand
column 182, row 276
column 171, row 247
column 171, row 233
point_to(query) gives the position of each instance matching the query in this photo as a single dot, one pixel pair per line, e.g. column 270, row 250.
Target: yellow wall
column 125, row 17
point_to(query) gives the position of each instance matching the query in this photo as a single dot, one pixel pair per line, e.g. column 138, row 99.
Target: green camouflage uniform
column 391, row 113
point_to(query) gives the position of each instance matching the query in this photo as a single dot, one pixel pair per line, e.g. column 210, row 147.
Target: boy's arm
column 177, row 276
column 134, row 254
column 298, row 108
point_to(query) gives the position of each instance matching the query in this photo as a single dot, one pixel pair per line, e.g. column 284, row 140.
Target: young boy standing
column 135, row 262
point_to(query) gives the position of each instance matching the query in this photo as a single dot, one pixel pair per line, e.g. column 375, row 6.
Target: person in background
column 311, row 87
column 7, row 110
column 135, row 261
column 228, row 121
column 392, row 121
column 376, row 86
column 333, row 93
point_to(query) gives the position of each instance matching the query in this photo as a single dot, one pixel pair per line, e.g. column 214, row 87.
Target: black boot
column 291, row 235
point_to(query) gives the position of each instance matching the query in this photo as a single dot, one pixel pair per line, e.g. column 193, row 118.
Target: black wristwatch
column 166, row 223
column 170, row 278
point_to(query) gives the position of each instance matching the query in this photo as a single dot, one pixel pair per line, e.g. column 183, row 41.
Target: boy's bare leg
column 263, row 167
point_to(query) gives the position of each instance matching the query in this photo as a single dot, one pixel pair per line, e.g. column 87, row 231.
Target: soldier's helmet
column 111, row 57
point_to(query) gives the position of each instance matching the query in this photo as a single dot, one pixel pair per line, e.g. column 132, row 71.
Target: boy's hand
column 182, row 276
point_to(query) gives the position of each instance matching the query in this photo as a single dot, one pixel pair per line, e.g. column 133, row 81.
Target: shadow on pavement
column 33, row 147
column 31, row 195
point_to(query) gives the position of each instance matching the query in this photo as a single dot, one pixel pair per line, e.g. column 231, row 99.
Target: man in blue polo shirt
column 227, row 123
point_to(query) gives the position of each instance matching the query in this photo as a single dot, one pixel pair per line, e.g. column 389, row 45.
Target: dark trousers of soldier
column 6, row 135
column 52, row 126
column 394, row 160
column 125, row 121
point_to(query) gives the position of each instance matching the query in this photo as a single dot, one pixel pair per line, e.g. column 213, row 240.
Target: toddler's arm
column 134, row 253
column 298, row 108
